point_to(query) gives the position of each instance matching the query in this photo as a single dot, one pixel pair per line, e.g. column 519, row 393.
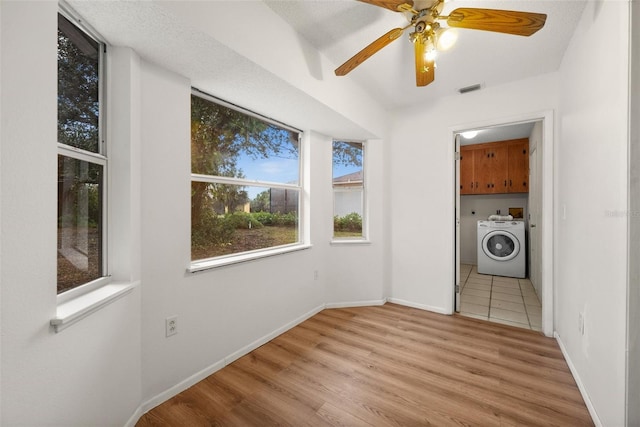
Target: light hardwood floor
column 387, row 366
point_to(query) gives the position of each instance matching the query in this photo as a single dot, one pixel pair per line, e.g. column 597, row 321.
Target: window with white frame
column 348, row 190
column 82, row 161
column 245, row 184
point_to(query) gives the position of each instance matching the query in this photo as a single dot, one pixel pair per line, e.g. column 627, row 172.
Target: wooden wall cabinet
column 519, row 166
column 495, row 167
column 468, row 183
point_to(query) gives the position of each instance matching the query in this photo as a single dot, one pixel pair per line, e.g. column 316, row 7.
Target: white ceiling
column 341, row 28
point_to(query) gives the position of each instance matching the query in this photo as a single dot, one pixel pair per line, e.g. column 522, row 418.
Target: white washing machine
column 502, row 248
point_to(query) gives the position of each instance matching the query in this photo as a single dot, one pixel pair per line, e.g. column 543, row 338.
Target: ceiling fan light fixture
column 430, row 55
column 447, row 37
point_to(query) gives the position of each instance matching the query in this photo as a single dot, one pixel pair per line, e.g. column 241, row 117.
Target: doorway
column 524, row 301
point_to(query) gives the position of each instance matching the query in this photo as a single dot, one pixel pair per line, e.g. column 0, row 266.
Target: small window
column 81, row 159
column 245, row 185
column 348, row 190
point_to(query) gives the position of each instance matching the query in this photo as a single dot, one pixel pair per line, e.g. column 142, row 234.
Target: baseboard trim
column 211, row 369
column 576, row 377
column 356, row 303
column 131, row 422
column 257, row 343
column 406, row 303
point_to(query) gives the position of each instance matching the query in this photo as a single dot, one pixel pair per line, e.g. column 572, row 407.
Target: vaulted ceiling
column 339, row 29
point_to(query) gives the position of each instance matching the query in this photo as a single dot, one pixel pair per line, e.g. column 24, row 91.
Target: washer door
column 500, row 245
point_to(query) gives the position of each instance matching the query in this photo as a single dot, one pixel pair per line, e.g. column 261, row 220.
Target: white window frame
column 364, row 239
column 302, row 243
column 79, row 302
column 99, row 158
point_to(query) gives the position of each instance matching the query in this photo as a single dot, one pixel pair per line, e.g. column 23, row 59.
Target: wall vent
column 471, row 88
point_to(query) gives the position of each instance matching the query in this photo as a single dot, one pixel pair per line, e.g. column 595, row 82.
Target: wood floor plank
column 387, row 365
column 339, row 417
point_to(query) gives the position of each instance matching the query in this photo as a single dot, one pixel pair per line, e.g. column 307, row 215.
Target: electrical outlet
column 171, row 325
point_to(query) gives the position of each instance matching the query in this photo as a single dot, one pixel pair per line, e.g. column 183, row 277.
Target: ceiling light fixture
column 470, row 134
column 446, row 38
column 431, row 53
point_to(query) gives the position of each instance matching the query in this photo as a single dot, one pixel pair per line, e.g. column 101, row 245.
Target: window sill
column 339, row 242
column 72, row 311
column 208, row 264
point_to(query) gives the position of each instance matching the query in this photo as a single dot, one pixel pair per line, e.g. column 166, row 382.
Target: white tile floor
column 499, row 299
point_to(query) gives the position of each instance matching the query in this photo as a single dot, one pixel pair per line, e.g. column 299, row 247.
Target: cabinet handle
column 505, row 182
column 524, row 151
column 510, row 183
column 476, row 184
column 524, row 184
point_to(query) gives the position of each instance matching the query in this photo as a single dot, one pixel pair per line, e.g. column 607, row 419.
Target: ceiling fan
column 428, row 35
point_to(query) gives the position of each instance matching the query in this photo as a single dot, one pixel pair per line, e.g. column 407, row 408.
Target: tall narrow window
column 348, row 190
column 81, row 158
column 245, row 182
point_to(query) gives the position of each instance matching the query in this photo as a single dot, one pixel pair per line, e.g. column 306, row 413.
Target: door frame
column 456, row 233
column 547, row 205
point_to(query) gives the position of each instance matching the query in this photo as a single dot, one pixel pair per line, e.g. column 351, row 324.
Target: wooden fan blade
column 368, row 51
column 389, row 4
column 425, row 70
column 500, row 21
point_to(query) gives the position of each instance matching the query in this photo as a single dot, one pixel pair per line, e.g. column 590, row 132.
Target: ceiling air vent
column 471, row 88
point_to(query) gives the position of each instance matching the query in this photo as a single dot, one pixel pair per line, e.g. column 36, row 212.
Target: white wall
column 220, row 311
column 475, row 207
column 88, row 374
column 422, row 170
column 591, row 240
column 356, row 272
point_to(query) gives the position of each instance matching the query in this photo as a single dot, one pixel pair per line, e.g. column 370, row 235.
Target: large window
column 81, row 158
column 245, row 182
column 348, row 190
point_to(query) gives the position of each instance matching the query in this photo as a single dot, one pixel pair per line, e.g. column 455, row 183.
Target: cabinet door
column 519, row 167
column 483, row 170
column 491, row 169
column 499, row 172
column 467, row 177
